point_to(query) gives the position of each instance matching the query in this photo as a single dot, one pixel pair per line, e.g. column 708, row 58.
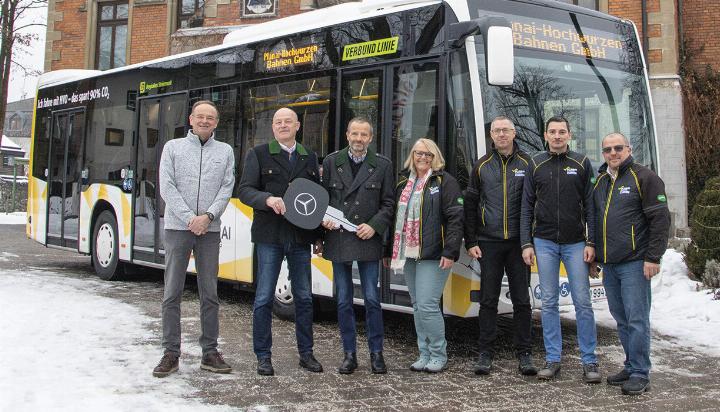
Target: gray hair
column 500, row 118
column 360, row 119
column 615, row 134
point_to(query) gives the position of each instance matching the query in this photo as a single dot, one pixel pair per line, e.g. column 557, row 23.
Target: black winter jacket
column 365, row 198
column 493, row 197
column 558, row 199
column 441, row 220
column 267, row 172
column 632, row 216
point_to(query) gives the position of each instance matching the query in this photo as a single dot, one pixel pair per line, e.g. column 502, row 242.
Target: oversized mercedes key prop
column 306, row 206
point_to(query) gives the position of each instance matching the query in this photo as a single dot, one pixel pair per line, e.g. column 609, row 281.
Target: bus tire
column 105, row 247
column 283, row 302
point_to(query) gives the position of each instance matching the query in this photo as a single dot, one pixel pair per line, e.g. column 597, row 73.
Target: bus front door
column 160, row 120
column 361, row 96
column 64, row 177
column 412, row 100
column 401, row 103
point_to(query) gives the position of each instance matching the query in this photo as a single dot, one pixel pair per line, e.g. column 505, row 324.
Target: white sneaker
column 420, row 364
column 435, row 366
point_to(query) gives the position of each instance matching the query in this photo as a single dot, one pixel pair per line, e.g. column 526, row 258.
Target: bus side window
column 309, row 98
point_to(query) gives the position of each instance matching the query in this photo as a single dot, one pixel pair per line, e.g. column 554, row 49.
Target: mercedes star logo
column 305, row 204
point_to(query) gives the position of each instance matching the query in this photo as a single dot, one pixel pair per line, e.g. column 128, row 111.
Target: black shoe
column 619, row 378
column 525, row 364
column 591, row 373
column 168, row 364
column 484, row 363
column 635, row 386
column 377, row 363
column 264, row 367
column 349, row 364
column 549, row 371
column 308, row 361
column 214, row 362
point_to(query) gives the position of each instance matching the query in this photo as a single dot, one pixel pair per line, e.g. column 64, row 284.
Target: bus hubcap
column 104, row 245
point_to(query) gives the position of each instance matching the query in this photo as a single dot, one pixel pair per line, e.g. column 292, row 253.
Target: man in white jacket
column 196, row 181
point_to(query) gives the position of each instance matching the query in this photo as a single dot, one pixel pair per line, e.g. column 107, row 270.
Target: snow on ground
column 680, row 310
column 15, row 218
column 63, row 347
column 7, row 256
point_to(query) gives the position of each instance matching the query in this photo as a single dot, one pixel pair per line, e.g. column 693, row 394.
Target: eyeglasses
column 617, row 148
column 203, row 117
column 505, row 130
column 420, row 154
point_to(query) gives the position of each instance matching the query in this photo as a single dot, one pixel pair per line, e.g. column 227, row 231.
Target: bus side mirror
column 497, row 38
column 499, row 57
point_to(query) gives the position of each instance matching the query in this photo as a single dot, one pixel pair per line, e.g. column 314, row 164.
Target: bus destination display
column 563, row 38
column 290, row 57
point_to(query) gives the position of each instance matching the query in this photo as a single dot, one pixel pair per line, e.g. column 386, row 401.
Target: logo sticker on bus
column 146, row 87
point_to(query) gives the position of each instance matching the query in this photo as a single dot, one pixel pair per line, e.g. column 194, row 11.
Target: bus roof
column 324, row 17
column 315, row 19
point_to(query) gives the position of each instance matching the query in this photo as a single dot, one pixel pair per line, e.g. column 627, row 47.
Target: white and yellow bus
column 437, row 69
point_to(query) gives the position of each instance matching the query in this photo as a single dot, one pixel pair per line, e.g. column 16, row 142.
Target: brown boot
column 168, row 364
column 213, row 362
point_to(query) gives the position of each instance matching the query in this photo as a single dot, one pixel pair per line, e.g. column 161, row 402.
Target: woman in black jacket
column 424, row 244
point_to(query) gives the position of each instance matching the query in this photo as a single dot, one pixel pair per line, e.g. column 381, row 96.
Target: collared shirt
column 356, row 159
column 288, row 149
column 612, row 173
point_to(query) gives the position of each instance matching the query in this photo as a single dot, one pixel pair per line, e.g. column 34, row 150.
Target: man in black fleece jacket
column 633, row 222
column 556, row 207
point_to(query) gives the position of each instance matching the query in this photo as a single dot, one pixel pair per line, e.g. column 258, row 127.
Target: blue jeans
column 270, row 257
column 426, row 282
column 628, row 295
column 344, row 291
column 549, row 254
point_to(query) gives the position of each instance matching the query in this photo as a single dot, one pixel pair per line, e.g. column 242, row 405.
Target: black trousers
column 499, row 258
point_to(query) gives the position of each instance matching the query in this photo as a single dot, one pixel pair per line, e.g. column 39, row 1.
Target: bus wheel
column 283, row 305
column 105, row 247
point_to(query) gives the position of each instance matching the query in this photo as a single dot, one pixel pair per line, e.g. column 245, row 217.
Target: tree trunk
column 7, row 37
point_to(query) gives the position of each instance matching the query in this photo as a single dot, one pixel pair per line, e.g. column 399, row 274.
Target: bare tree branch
column 29, row 25
column 14, row 18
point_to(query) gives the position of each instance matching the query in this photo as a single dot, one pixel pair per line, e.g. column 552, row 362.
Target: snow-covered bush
column 711, row 276
column 705, row 229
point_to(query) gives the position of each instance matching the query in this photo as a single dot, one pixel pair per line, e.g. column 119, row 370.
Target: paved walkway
column 682, row 380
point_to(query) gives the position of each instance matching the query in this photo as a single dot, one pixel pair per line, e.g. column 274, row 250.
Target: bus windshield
column 584, row 68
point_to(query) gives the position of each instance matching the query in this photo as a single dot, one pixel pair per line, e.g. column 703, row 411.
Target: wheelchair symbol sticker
column 564, row 289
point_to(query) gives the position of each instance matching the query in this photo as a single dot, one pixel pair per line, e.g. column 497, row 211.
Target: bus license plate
column 597, row 293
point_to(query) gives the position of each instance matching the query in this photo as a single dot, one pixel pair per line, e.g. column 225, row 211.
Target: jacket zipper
column 483, row 215
column 422, row 198
column 558, row 198
column 197, row 206
column 632, row 235
column 607, row 208
column 504, row 172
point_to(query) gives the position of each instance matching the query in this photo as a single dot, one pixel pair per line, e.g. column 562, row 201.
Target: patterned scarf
column 406, row 239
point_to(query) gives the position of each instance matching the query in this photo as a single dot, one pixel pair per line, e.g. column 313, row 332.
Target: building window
column 190, row 13
column 114, row 137
column 15, row 123
column 590, row 4
column 111, row 34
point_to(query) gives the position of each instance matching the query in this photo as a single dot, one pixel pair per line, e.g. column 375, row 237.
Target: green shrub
column 705, row 231
column 711, row 276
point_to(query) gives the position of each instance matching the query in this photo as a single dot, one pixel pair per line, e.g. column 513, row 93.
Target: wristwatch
column 210, row 215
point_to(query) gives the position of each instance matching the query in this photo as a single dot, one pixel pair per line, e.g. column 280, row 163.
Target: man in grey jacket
column 196, row 181
column 361, row 184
